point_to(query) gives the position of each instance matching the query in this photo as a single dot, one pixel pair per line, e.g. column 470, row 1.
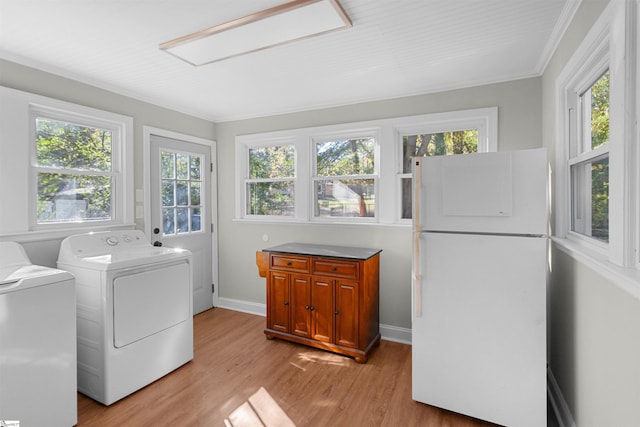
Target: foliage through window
column 181, row 192
column 74, row 172
column 431, row 144
column 270, row 187
column 345, row 180
column 589, row 163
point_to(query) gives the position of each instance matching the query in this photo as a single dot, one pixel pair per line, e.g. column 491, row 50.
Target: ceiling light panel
column 282, row 24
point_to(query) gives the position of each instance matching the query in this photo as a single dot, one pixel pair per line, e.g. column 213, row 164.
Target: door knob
column 157, row 243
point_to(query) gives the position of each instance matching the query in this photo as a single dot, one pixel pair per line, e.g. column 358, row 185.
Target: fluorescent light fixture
column 278, row 25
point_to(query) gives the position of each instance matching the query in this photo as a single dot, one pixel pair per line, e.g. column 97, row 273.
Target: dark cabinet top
column 324, row 250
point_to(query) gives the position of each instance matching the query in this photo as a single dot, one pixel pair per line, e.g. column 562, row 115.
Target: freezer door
column 503, row 192
column 479, row 345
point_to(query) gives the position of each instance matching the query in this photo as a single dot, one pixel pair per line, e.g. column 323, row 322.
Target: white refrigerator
column 479, row 285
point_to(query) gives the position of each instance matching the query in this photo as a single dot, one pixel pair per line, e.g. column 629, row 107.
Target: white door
column 182, row 203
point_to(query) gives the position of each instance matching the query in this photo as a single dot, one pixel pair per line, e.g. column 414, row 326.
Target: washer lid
column 114, row 250
column 16, row 270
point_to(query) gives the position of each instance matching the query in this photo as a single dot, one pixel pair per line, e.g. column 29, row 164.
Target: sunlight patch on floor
column 324, row 357
column 260, row 410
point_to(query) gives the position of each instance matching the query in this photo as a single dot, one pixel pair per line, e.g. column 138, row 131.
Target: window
column 77, row 169
column 589, row 163
column 431, row 144
column 271, row 182
column 352, row 173
column 345, row 180
column 597, row 156
column 74, row 172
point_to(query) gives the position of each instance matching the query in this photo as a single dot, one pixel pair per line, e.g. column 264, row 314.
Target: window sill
column 627, row 279
column 59, row 233
column 291, row 221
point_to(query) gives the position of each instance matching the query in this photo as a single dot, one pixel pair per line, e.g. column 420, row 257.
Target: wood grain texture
column 236, row 374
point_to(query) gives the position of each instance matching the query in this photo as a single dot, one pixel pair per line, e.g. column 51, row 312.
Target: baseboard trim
column 243, row 306
column 559, row 405
column 387, row 332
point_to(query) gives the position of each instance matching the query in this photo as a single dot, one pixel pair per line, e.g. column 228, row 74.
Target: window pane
column 270, row 198
column 70, row 146
column 63, row 197
column 182, row 193
column 168, row 221
column 407, row 197
column 437, row 144
column 168, row 198
column 345, row 198
column 168, row 164
column 348, row 157
column 182, row 220
column 195, row 194
column 195, row 167
column 182, row 166
column 590, row 198
column 195, row 219
column 272, row 162
column 432, row 144
column 598, row 99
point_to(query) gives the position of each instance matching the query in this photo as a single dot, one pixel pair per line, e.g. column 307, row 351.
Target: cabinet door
column 278, row 315
column 347, row 313
column 301, row 305
column 322, row 309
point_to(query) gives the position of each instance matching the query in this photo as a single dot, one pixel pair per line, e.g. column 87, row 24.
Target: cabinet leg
column 361, row 359
column 270, row 337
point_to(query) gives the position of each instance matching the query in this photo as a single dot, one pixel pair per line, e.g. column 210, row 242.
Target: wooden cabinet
column 323, row 296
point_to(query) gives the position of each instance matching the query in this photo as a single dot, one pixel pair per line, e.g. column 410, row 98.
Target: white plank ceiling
column 395, row 48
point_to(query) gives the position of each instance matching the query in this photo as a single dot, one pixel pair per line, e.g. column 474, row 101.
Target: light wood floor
column 237, row 373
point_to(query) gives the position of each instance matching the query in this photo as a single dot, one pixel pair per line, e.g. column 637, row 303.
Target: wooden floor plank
column 233, row 361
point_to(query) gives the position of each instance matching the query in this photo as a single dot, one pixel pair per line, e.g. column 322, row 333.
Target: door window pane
column 181, row 192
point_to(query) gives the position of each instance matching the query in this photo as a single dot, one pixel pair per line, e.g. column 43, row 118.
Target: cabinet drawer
column 290, row 263
column 337, row 268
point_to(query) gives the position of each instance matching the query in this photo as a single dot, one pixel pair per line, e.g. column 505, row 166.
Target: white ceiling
column 395, row 48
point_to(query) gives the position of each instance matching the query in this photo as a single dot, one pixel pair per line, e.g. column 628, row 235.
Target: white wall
column 594, row 325
column 519, row 127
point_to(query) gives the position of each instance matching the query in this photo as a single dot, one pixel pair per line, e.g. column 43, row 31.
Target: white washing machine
column 37, row 342
column 134, row 310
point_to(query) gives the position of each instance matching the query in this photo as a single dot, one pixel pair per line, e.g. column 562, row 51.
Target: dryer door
column 150, row 300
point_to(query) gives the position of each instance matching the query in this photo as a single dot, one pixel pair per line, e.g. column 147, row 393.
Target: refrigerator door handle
column 417, row 279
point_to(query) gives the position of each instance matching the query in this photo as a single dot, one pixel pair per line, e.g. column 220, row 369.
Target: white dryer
column 134, row 310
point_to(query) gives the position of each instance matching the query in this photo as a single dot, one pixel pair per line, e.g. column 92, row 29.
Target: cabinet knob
column 306, row 307
column 286, row 303
column 337, row 312
column 312, row 308
column 333, row 269
column 289, row 263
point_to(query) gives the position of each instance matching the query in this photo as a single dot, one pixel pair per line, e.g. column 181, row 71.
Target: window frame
column 611, row 43
column 484, row 120
column 116, row 174
column 343, row 136
column 244, row 171
column 18, row 136
column 387, row 210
